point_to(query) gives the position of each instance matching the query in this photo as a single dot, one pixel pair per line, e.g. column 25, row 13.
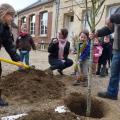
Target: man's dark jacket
column 6, row 40
column 115, row 20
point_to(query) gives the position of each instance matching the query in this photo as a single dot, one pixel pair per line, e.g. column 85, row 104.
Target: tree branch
column 100, row 16
column 89, row 23
column 77, row 17
column 99, row 7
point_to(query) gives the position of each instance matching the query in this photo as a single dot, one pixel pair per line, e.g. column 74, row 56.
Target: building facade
column 38, row 17
column 72, row 15
column 41, row 18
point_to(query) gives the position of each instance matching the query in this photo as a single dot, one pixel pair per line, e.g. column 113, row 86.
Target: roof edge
column 28, row 7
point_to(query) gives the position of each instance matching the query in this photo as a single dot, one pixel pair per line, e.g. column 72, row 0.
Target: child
column 97, row 52
column 24, row 43
column 7, row 13
column 83, row 53
column 105, row 57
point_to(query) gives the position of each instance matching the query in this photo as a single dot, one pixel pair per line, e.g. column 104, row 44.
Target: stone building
column 72, row 15
column 38, row 17
column 41, row 18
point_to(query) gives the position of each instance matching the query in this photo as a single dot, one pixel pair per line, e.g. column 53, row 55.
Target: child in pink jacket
column 97, row 52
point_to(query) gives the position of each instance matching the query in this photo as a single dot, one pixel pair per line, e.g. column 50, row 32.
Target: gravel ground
column 39, row 59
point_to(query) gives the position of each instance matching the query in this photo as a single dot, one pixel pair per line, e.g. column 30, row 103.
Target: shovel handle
column 14, row 63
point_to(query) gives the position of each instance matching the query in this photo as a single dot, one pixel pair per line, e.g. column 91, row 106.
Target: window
column 23, row 20
column 32, row 24
column 71, row 18
column 43, row 23
column 111, row 10
column 85, row 23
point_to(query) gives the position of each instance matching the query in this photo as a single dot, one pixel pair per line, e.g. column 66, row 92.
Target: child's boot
column 84, row 83
column 103, row 71
column 78, row 81
column 98, row 70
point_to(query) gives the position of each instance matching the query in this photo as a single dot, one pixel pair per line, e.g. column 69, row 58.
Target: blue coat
column 86, row 52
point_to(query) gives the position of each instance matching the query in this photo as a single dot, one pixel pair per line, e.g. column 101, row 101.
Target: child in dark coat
column 105, row 57
column 24, row 43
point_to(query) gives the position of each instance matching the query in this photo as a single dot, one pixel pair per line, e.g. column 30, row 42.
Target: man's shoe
column 60, row 71
column 3, row 103
column 106, row 95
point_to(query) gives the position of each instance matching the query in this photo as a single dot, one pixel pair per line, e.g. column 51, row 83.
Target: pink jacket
column 97, row 52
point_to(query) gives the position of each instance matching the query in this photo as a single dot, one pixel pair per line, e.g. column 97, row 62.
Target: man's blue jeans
column 24, row 55
column 58, row 64
column 113, row 87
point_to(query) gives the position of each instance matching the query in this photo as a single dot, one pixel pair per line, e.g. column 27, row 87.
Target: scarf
column 62, row 43
column 23, row 33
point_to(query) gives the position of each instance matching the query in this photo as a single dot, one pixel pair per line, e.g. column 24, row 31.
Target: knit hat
column 6, row 8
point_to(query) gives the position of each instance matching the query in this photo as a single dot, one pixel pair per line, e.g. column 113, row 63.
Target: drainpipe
column 57, row 2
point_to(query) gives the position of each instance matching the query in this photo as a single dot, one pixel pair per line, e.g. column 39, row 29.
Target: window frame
column 85, row 24
column 23, row 20
column 32, row 24
column 43, row 23
column 110, row 12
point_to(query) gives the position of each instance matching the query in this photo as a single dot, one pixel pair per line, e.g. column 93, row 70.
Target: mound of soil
column 32, row 85
column 50, row 115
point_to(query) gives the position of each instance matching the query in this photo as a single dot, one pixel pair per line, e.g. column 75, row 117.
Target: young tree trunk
column 95, row 8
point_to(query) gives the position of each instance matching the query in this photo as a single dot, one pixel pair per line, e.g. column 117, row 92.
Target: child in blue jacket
column 84, row 53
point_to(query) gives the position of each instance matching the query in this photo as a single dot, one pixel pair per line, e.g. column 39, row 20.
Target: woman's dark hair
column 86, row 32
column 64, row 32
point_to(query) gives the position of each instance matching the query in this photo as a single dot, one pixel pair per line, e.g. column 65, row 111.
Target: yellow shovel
column 15, row 63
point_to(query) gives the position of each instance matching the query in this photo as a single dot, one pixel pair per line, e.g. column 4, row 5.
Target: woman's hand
column 54, row 40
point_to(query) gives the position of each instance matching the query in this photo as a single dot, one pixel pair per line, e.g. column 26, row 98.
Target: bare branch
column 100, row 16
column 93, row 15
column 99, row 7
column 77, row 17
column 89, row 23
column 79, row 4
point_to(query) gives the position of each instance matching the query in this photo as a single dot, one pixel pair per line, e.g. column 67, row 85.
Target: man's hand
column 108, row 23
column 92, row 35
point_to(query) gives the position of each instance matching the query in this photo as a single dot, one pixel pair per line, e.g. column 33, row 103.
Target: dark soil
column 32, row 85
column 50, row 115
column 77, row 103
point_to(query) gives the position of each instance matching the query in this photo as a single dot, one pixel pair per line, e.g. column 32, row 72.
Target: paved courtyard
column 37, row 58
